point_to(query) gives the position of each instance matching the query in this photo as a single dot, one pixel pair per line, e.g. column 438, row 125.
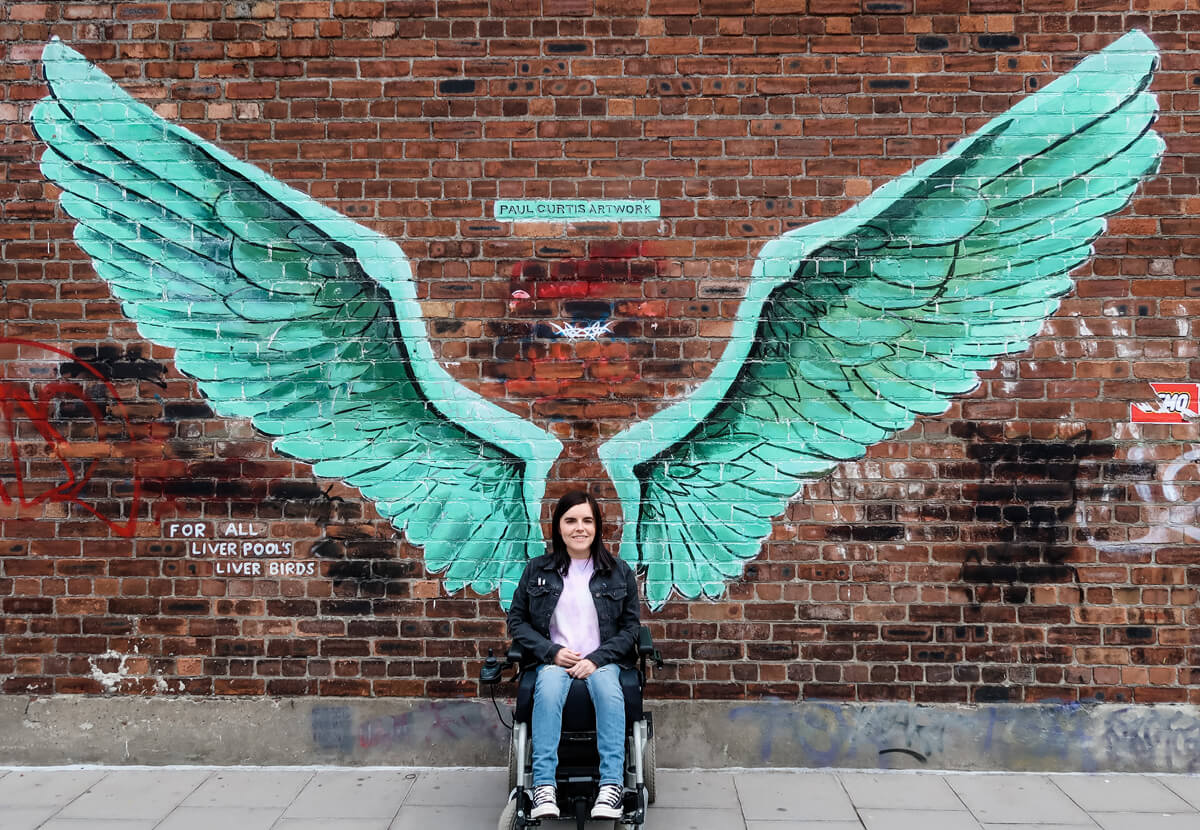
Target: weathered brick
column 745, row 118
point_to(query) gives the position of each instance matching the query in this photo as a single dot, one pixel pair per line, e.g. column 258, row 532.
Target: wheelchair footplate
column 633, row 811
column 577, row 779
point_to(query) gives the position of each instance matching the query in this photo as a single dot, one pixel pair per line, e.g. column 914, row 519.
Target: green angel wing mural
column 306, row 323
column 290, row 315
column 854, row 326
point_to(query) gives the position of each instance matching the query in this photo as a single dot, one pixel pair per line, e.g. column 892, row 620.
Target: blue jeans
column 550, row 694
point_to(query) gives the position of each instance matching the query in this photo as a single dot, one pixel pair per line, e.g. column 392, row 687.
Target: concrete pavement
column 400, row 798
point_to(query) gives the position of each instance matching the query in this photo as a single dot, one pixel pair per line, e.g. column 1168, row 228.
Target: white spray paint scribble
column 1172, row 501
column 572, row 332
column 111, row 681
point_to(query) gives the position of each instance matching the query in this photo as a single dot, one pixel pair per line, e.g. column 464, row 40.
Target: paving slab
column 37, row 788
column 793, row 796
column 462, row 788
column 1147, row 821
column 99, row 824
column 135, row 794
column 250, row 788
column 693, row 789
column 1039, row 826
column 25, row 818
column 804, row 825
column 352, row 794
column 1186, row 787
column 918, row 820
column 332, row 824
column 899, row 791
column 682, row 818
column 1121, row 793
column 447, row 817
column 1017, row 799
column 234, row 818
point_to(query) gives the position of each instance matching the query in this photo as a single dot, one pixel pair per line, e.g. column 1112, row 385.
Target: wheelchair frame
column 639, row 784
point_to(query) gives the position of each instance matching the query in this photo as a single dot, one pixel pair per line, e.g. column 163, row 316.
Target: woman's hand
column 582, row 668
column 566, row 658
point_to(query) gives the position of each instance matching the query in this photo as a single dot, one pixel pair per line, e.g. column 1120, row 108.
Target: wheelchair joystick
column 491, row 671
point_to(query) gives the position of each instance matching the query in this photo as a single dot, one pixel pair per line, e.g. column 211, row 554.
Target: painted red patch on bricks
column 31, row 409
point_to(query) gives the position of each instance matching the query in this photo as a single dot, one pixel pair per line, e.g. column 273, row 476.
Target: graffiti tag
column 25, row 414
column 427, row 724
column 1173, row 502
column 1062, row 735
column 829, row 734
column 592, row 331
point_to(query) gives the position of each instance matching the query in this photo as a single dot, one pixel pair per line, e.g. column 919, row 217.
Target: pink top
column 574, row 623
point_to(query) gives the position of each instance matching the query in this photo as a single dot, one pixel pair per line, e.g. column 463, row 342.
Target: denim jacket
column 618, row 612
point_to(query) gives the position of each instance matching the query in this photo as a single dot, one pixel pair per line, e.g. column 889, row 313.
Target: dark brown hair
column 602, row 560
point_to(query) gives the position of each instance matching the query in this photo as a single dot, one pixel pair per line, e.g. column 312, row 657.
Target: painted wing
column 854, row 326
column 293, row 316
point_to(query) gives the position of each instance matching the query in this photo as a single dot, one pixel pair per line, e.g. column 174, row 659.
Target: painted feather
column 292, row 316
column 854, row 326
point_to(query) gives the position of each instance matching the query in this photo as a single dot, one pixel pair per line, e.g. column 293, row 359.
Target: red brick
column 745, row 118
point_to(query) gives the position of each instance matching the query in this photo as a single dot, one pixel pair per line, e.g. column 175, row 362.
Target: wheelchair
column 578, row 776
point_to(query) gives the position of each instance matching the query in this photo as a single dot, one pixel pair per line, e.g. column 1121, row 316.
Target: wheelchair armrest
column 646, row 650
column 645, row 643
column 515, row 655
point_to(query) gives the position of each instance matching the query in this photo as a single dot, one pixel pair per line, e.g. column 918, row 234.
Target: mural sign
column 306, row 323
column 544, row 210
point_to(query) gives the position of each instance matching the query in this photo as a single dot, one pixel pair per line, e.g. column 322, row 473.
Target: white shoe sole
column 544, row 812
column 605, row 812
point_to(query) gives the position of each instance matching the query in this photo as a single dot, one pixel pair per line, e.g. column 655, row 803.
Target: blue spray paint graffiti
column 1054, row 736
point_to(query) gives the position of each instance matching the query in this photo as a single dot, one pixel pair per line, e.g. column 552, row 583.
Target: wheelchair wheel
column 512, row 763
column 508, row 818
column 648, row 770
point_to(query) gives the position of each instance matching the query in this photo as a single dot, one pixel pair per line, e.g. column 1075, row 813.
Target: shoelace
column 543, row 795
column 610, row 795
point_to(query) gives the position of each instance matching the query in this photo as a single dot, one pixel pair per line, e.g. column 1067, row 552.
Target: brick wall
column 1029, row 544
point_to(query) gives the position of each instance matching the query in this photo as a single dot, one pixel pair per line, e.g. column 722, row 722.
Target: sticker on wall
column 1178, row 403
column 289, row 314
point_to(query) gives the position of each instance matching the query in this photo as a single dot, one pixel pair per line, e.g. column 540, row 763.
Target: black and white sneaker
column 608, row 802
column 545, row 802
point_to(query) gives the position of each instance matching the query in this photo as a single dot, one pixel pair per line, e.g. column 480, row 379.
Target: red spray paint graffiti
column 19, row 406
column 574, row 334
column 565, row 277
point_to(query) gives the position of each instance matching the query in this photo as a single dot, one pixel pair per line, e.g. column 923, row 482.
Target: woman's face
column 578, row 529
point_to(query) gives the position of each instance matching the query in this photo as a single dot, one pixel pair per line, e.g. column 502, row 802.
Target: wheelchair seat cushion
column 578, row 713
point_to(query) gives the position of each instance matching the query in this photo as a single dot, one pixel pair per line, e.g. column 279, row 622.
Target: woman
column 576, row 612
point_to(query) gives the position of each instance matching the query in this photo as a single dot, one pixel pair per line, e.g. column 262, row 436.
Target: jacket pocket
column 542, row 599
column 610, row 601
